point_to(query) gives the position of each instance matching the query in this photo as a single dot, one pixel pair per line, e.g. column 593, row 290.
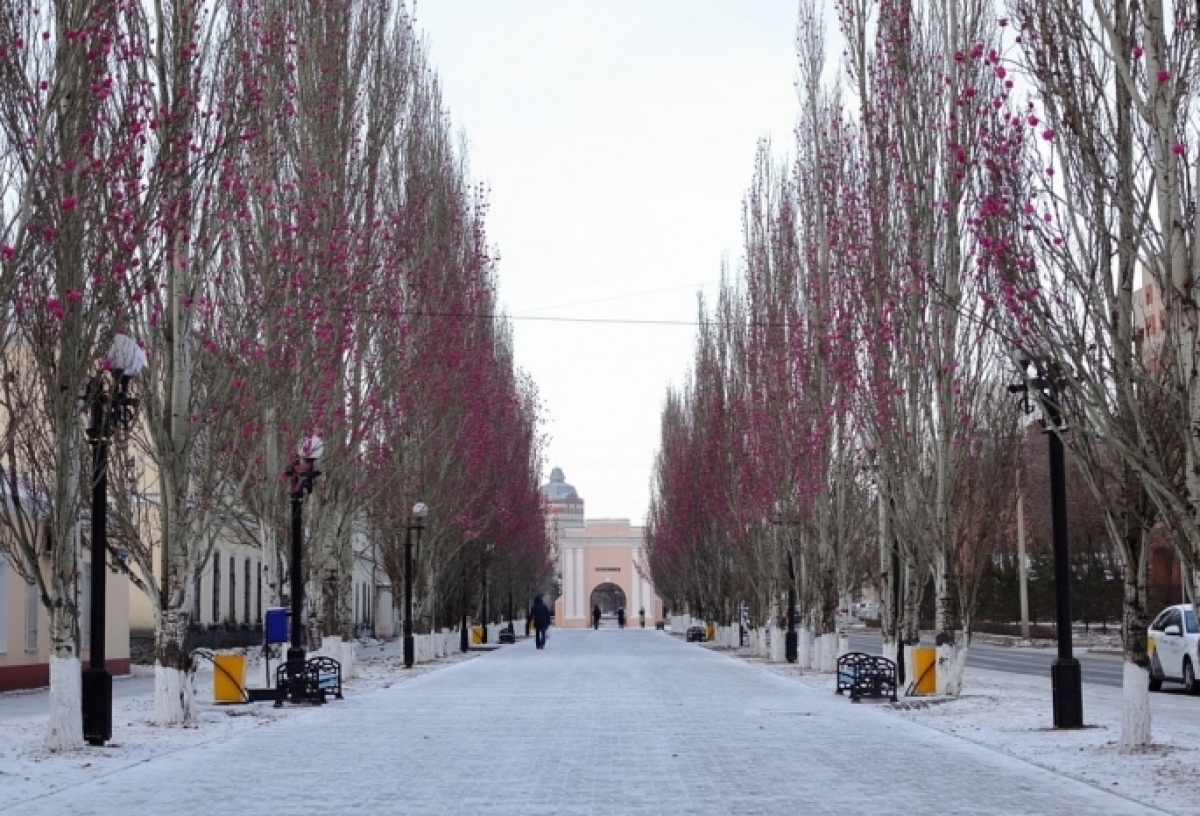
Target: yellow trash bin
column 477, row 634
column 229, row 678
column 710, row 632
column 924, row 670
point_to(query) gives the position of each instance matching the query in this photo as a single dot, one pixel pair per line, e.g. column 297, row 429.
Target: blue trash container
column 276, row 624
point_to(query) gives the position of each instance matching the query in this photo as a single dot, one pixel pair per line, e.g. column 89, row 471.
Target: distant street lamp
column 302, row 473
column 110, row 408
column 416, row 521
column 791, row 642
column 1066, row 675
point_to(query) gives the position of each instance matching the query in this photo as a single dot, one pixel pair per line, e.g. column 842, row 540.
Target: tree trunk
column 174, row 670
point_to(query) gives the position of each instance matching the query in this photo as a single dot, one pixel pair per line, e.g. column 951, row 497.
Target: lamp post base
column 1067, row 680
column 408, row 651
column 97, row 706
column 792, row 646
column 295, row 654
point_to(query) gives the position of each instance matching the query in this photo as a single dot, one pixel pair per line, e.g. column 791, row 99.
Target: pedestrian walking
column 541, row 621
column 596, row 617
column 621, row 618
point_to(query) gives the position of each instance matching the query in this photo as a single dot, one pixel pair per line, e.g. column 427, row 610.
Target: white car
column 1173, row 642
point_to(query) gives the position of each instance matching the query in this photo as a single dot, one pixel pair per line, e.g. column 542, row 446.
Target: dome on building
column 557, row 489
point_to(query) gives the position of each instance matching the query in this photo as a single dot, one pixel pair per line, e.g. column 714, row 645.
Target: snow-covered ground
column 1007, row 713
column 1011, row 713
column 27, row 769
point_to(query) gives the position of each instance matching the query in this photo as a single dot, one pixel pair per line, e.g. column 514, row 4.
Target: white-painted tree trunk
column 778, row 645
column 804, row 649
column 951, row 663
column 1135, row 715
column 65, row 729
column 829, row 652
column 174, row 692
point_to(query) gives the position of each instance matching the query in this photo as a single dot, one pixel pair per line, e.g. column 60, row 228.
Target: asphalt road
column 1101, row 669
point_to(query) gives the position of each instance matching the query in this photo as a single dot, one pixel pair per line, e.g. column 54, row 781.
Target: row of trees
column 267, row 196
column 974, row 200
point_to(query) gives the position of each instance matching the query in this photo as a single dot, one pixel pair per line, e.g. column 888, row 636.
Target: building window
column 197, row 598
column 3, row 603
column 232, row 589
column 258, row 603
column 31, row 618
column 246, row 596
column 216, row 610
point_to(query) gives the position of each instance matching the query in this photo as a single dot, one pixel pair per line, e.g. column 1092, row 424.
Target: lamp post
column 463, row 636
column 110, row 408
column 301, row 474
column 416, row 521
column 791, row 641
column 1066, row 676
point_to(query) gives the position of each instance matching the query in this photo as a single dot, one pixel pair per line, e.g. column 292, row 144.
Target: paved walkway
column 613, row 722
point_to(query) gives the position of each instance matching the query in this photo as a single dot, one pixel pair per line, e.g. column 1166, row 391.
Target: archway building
column 605, row 554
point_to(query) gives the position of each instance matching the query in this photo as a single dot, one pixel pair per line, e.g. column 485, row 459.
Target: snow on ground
column 27, row 769
column 1012, row 714
column 1007, row 713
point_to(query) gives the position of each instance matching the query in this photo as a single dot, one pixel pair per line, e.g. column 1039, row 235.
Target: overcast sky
column 617, row 138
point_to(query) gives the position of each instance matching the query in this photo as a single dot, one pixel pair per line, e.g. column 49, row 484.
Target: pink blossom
column 1000, row 72
column 7, row 251
column 1137, row 52
column 1177, row 149
column 1163, row 74
column 1048, row 135
column 69, row 202
column 1032, row 120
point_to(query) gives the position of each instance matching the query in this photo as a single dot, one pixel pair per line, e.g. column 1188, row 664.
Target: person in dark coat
column 541, row 621
column 621, row 617
column 596, row 617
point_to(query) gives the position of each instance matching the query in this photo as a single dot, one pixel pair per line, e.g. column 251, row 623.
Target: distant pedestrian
column 596, row 617
column 621, row 618
column 541, row 621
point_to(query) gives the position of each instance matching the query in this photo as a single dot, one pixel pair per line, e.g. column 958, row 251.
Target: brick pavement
column 614, row 722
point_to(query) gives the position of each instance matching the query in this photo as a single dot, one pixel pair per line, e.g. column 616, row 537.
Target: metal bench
column 865, row 675
column 508, row 636
column 696, row 634
column 308, row 682
column 660, row 625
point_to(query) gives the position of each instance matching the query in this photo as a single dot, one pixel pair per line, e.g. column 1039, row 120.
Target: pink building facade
column 600, row 562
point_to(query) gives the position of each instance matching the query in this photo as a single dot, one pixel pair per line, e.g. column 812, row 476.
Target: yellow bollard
column 711, row 632
column 924, row 670
column 229, row 678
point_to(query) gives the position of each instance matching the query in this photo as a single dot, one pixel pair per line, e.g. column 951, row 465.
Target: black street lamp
column 301, row 474
column 110, row 408
column 415, row 522
column 1065, row 673
column 791, row 641
column 464, row 643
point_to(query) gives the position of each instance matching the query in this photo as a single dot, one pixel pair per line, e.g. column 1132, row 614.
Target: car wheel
column 1189, row 677
column 1155, row 685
